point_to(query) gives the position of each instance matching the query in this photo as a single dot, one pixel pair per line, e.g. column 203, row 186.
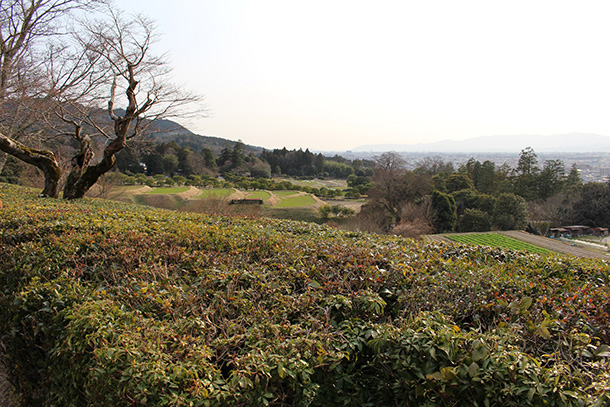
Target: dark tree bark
column 80, row 162
column 3, row 158
column 42, row 159
column 89, row 175
column 84, row 177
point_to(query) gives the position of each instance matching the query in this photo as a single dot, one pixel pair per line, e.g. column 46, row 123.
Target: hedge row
column 104, row 303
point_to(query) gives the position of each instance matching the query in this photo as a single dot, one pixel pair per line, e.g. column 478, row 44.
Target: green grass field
column 496, row 240
column 216, row 193
column 284, row 194
column 319, row 183
column 264, row 195
column 170, row 190
column 301, row 200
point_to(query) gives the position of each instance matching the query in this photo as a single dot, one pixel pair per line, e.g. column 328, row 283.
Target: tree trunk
column 77, row 189
column 2, row 161
column 80, row 163
column 42, row 159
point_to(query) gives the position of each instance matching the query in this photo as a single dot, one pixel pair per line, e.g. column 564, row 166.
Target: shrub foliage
column 104, row 303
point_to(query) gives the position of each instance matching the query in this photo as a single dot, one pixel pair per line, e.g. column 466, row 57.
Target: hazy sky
column 336, row 74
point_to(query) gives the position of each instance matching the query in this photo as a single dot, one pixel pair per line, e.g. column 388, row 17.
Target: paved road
column 544, row 242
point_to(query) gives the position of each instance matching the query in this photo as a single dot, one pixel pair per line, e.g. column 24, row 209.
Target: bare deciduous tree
column 25, row 26
column 124, row 46
column 102, row 58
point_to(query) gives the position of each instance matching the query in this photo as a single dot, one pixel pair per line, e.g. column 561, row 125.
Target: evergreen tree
column 446, row 212
column 208, row 158
column 526, row 180
column 510, row 212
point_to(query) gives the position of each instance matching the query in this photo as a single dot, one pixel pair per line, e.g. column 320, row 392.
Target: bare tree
column 101, row 58
column 394, row 186
column 123, row 48
column 25, row 25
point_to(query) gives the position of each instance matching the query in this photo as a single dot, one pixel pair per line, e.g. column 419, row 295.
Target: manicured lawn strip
column 319, row 183
column 264, row 195
column 496, row 240
column 301, row 200
column 169, row 190
column 216, row 193
column 284, row 194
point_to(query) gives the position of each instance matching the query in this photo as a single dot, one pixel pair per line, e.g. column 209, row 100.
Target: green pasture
column 496, row 240
column 297, row 201
column 168, row 190
column 285, row 193
column 319, row 183
column 264, row 195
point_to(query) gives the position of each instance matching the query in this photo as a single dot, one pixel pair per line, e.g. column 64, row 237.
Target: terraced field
column 496, row 240
column 551, row 245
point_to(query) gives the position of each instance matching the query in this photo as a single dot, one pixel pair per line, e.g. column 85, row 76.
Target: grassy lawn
column 216, row 193
column 264, row 195
column 301, row 200
column 284, row 194
column 169, row 190
column 318, row 183
column 496, row 240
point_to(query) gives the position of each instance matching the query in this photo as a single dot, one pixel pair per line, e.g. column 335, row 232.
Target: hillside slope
column 105, row 303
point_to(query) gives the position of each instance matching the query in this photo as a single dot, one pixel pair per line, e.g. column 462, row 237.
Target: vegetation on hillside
column 104, row 303
column 496, row 240
column 479, row 197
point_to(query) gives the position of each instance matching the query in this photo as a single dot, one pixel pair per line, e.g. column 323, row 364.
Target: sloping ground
column 554, row 245
column 108, row 304
column 540, row 241
column 192, row 192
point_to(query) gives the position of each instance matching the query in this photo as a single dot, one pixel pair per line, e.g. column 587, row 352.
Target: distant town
column 593, row 167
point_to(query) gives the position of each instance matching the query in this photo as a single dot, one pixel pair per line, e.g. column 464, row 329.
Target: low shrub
column 103, row 303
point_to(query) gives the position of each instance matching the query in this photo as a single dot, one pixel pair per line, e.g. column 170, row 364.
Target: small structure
column 599, row 232
column 578, row 230
column 247, row 201
column 556, row 233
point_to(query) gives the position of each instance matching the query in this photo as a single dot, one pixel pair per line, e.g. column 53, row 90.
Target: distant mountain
column 557, row 143
column 166, row 131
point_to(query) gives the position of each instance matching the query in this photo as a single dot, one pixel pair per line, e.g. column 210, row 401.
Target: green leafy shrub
column 103, row 303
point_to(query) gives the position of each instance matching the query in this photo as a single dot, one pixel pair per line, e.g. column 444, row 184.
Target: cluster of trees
column 435, row 197
column 305, row 163
column 172, row 159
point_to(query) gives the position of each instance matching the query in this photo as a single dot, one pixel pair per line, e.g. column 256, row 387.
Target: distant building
column 577, row 230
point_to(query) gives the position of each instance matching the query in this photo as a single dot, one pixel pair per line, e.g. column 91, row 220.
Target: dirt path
column 540, row 241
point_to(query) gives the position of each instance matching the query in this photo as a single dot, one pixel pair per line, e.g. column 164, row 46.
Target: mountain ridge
column 567, row 142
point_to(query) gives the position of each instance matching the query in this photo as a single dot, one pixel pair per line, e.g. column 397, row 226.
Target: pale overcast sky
column 336, row 74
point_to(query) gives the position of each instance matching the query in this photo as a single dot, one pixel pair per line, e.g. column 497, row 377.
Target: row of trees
column 435, row 197
column 63, row 65
column 171, row 159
